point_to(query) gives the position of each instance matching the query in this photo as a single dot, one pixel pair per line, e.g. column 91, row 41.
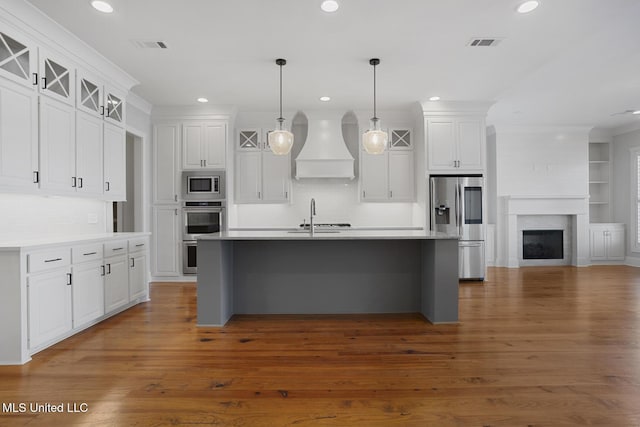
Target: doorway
column 128, row 216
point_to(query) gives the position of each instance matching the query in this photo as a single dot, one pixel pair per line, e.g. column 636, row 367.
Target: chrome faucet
column 311, row 215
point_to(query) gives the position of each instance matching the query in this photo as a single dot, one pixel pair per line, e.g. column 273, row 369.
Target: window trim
column 635, row 199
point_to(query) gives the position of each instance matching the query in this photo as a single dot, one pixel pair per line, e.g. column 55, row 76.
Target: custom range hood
column 324, row 154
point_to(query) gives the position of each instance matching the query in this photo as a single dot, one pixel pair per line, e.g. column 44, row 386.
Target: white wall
column 622, row 183
column 336, row 199
column 536, row 161
column 31, row 216
column 542, row 161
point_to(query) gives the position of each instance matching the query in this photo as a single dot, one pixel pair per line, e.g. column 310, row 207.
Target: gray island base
column 277, row 272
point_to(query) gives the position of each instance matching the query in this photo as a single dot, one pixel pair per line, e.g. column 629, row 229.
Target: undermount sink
column 316, row 231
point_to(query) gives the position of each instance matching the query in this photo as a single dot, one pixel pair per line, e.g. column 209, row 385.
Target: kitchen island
column 331, row 272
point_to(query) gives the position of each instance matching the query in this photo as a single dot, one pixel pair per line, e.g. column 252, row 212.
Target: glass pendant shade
column 280, row 142
column 375, row 141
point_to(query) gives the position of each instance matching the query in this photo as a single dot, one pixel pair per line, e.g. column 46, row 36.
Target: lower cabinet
column 50, row 312
column 116, row 283
column 88, row 292
column 137, row 275
column 166, row 241
column 607, row 242
column 69, row 287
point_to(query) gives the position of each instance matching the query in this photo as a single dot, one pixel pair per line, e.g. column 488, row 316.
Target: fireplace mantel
column 576, row 206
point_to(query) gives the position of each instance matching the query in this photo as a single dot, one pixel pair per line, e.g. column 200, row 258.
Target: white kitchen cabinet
column 401, row 176
column 455, row 144
column 116, row 279
column 115, row 163
column 137, row 275
column 166, row 241
column 389, row 177
column 49, row 301
column 261, row 176
column 18, row 58
column 607, row 242
column 56, row 76
column 114, row 106
column 18, row 136
column 204, row 145
column 138, row 267
column 166, row 163
column 89, row 154
column 88, row 292
column 57, row 147
column 89, row 92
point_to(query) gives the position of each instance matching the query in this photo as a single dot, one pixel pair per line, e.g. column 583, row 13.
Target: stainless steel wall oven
column 199, row 218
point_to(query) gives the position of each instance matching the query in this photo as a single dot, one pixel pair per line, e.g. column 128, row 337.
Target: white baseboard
column 632, row 261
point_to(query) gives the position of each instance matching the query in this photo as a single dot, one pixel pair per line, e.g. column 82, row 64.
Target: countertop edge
column 40, row 243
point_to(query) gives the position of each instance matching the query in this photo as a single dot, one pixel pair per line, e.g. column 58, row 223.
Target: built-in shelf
column 599, row 180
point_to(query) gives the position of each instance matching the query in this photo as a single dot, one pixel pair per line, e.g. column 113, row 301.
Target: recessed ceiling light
column 329, row 5
column 102, row 6
column 203, row 100
column 434, row 98
column 636, row 112
column 528, row 6
column 325, row 99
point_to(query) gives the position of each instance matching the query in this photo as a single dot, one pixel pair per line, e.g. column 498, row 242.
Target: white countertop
column 348, row 234
column 37, row 242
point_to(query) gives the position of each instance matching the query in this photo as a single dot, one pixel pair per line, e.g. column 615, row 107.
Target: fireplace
column 542, row 244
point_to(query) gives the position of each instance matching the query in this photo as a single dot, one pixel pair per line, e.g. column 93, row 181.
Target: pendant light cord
column 374, row 92
column 280, row 118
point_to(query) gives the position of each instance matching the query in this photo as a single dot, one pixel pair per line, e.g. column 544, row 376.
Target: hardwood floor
column 548, row 346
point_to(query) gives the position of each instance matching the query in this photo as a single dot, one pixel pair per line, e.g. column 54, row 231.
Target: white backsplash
column 336, row 201
column 31, row 216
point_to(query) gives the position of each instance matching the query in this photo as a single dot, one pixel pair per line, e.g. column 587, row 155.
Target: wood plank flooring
column 539, row 346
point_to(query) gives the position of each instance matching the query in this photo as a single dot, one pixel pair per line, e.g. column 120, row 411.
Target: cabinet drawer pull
column 73, row 181
column 133, row 262
column 36, row 177
column 108, row 268
column 108, row 185
column 69, row 279
column 79, row 182
column 139, row 245
column 35, row 79
column 102, row 110
column 53, row 260
column 117, row 249
column 90, row 253
column 103, row 271
column 44, row 83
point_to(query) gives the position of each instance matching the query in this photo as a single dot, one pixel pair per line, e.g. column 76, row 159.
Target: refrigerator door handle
column 459, row 209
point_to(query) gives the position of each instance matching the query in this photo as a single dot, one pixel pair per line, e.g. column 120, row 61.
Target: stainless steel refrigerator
column 456, row 208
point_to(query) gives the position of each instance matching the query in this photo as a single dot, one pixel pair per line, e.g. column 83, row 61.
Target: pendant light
column 280, row 140
column 375, row 140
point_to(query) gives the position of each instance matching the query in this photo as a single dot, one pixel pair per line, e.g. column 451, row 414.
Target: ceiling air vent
column 149, row 44
column 484, row 41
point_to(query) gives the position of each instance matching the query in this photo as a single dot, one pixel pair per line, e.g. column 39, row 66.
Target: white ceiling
column 570, row 62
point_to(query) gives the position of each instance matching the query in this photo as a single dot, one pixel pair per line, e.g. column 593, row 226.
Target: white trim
column 632, row 261
column 633, row 218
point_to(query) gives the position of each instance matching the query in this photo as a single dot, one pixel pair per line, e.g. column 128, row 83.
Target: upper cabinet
column 53, row 118
column 97, row 98
column 166, row 163
column 56, row 76
column 455, row 144
column 18, row 136
column 204, row 145
column 17, row 58
column 389, row 177
column 260, row 175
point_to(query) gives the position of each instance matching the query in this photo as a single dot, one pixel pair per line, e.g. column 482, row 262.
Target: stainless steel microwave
column 203, row 185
